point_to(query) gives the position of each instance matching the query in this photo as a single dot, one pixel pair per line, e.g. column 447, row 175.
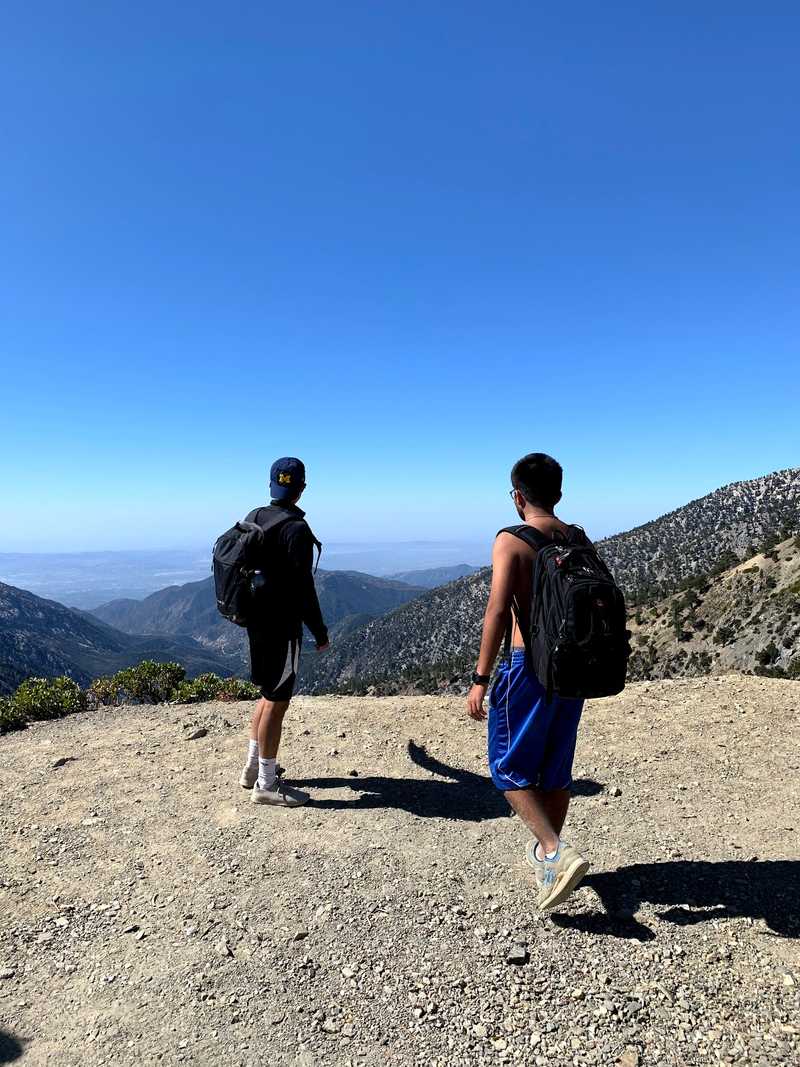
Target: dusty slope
column 745, row 618
column 149, row 914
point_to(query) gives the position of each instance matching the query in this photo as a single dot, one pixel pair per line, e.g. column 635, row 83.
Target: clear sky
column 407, row 242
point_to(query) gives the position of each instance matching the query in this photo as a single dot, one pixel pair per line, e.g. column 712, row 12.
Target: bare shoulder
column 507, row 546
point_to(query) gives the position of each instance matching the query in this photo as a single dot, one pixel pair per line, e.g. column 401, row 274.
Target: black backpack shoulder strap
column 269, row 517
column 529, row 534
column 578, row 536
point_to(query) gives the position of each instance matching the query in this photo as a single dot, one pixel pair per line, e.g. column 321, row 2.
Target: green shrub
column 723, row 635
column 793, row 670
column 194, row 690
column 767, row 656
column 212, row 687
column 11, row 718
column 147, row 683
column 238, row 689
column 47, row 698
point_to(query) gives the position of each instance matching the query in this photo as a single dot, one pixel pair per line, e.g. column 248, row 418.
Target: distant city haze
column 87, row 579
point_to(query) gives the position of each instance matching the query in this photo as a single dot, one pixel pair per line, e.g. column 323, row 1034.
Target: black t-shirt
column 289, row 597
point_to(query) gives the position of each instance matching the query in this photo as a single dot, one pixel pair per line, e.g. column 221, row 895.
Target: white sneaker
column 280, row 795
column 535, row 863
column 249, row 775
column 561, row 875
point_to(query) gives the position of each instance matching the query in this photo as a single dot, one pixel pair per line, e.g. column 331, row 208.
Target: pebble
column 629, row 1058
column 196, row 734
column 517, row 954
column 6, row 972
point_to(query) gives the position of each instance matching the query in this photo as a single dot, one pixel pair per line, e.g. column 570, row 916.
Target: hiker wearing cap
column 563, row 619
column 284, row 599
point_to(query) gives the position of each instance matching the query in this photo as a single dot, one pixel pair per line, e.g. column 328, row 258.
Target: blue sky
column 407, row 242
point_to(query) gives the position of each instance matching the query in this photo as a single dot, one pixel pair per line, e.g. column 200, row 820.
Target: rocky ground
column 149, row 914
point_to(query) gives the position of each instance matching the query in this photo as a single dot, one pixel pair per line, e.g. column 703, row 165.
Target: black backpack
column 235, row 556
column 578, row 644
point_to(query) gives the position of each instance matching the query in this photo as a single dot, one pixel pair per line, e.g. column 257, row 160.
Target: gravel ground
column 150, row 914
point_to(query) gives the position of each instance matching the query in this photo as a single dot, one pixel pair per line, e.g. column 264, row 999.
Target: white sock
column 252, row 753
column 266, row 773
column 540, row 854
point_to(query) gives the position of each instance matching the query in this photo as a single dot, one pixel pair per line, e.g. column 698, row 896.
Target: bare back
column 521, row 557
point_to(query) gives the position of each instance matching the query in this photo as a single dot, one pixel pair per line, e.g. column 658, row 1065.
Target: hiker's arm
column 301, row 553
column 496, row 618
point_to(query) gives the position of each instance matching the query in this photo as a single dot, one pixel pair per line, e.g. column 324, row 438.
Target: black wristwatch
column 480, row 679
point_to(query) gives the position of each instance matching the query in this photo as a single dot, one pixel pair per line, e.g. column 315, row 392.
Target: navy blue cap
column 287, row 477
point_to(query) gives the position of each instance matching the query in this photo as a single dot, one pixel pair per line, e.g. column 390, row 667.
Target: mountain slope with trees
column 40, row 637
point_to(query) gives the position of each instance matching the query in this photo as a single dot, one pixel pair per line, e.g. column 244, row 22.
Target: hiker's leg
column 530, row 806
column 250, row 770
column 270, row 727
column 256, row 719
column 556, row 804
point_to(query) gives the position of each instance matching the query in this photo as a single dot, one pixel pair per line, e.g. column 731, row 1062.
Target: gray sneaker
column 279, row 795
column 561, row 875
column 536, row 864
column 249, row 775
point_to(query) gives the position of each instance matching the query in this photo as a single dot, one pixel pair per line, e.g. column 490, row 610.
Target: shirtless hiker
column 531, row 739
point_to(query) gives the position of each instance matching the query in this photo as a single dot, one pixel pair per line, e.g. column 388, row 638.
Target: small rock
column 196, row 734
column 353, row 774
column 517, row 954
column 62, row 761
column 617, row 792
column 348, row 1030
column 629, row 1058
column 479, row 1030
column 132, row 929
column 7, row 973
column 330, row 1027
column 222, row 948
column 299, row 935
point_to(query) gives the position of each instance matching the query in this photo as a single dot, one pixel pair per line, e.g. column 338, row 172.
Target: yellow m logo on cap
column 284, row 479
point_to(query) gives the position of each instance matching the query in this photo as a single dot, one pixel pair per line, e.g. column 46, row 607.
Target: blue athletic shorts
column 531, row 742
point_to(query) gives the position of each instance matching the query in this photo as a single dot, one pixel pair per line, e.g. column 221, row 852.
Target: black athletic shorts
column 274, row 659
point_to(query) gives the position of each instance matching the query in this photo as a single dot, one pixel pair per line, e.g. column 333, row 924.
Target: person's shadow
column 453, row 794
column 693, row 891
column 10, row 1048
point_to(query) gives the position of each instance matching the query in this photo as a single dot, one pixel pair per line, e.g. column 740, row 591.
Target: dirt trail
column 150, row 914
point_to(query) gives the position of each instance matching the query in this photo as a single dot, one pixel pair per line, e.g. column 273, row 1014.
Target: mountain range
column 349, row 600
column 432, row 642
column 43, row 638
column 433, row 576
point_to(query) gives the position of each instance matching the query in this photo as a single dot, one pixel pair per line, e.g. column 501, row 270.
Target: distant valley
column 348, row 599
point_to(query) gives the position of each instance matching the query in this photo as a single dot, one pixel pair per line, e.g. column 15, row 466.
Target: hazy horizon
column 90, row 578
